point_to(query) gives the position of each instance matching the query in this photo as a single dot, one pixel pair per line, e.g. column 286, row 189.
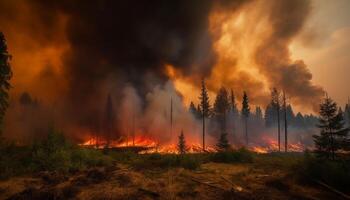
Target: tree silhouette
column 181, row 146
column 5, row 76
column 223, row 144
column 347, row 113
column 221, row 108
column 245, row 114
column 204, row 107
column 194, row 111
column 258, row 113
column 333, row 135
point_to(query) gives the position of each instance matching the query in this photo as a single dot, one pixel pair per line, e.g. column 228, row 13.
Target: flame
column 152, row 145
column 266, row 145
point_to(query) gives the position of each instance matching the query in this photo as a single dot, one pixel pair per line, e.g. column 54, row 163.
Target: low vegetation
column 53, row 153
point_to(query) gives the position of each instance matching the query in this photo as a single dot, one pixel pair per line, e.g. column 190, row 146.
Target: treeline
column 223, row 116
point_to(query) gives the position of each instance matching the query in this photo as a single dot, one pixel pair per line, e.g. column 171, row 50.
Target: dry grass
column 211, row 181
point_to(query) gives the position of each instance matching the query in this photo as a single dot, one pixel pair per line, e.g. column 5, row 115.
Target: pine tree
column 299, row 120
column 347, row 114
column 333, row 135
column 258, row 113
column 233, row 104
column 182, row 143
column 221, row 107
column 204, row 107
column 5, row 76
column 269, row 116
column 245, row 114
column 192, row 109
column 223, row 144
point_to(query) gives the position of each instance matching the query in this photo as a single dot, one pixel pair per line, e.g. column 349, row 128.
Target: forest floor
column 257, row 180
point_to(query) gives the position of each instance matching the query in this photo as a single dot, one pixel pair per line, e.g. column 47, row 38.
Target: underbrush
column 164, row 161
column 234, row 156
column 188, row 161
column 334, row 173
column 53, row 153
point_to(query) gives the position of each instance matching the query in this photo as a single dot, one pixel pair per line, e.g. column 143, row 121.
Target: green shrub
column 56, row 153
column 164, row 161
column 13, row 160
column 189, row 161
column 123, row 157
column 335, row 173
column 241, row 155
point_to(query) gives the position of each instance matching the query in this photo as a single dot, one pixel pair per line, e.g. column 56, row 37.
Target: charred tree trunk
column 203, row 132
column 285, row 123
column 246, row 131
column 279, row 127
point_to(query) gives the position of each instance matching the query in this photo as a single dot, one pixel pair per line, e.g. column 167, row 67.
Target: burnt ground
column 211, row 181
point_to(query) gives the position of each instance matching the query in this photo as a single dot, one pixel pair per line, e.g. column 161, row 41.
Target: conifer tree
column 245, row 114
column 233, row 104
column 258, row 113
column 193, row 109
column 204, row 107
column 5, row 76
column 347, row 113
column 181, row 146
column 223, row 144
column 333, row 136
column 269, row 116
column 221, row 108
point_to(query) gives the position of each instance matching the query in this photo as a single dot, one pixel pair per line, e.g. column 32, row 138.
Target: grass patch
column 164, row 161
column 235, row 156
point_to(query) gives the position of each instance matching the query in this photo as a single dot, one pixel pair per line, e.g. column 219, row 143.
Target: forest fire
column 267, row 145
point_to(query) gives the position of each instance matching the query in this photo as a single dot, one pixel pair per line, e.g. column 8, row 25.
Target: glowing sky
column 324, row 45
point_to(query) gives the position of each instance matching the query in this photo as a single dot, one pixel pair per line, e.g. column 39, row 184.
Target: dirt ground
column 211, row 181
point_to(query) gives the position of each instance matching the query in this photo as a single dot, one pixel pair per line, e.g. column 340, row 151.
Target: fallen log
column 234, row 186
column 208, row 184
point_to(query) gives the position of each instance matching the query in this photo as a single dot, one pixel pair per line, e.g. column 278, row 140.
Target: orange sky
column 324, row 45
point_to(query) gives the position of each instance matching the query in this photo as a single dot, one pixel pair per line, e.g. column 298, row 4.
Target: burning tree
column 204, row 107
column 182, row 143
column 5, row 76
column 245, row 114
column 333, row 136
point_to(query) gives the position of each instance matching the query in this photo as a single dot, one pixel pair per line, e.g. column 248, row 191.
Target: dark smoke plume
column 116, row 44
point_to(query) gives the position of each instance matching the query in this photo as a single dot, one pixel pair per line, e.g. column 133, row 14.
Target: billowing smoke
column 273, row 57
column 86, row 50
